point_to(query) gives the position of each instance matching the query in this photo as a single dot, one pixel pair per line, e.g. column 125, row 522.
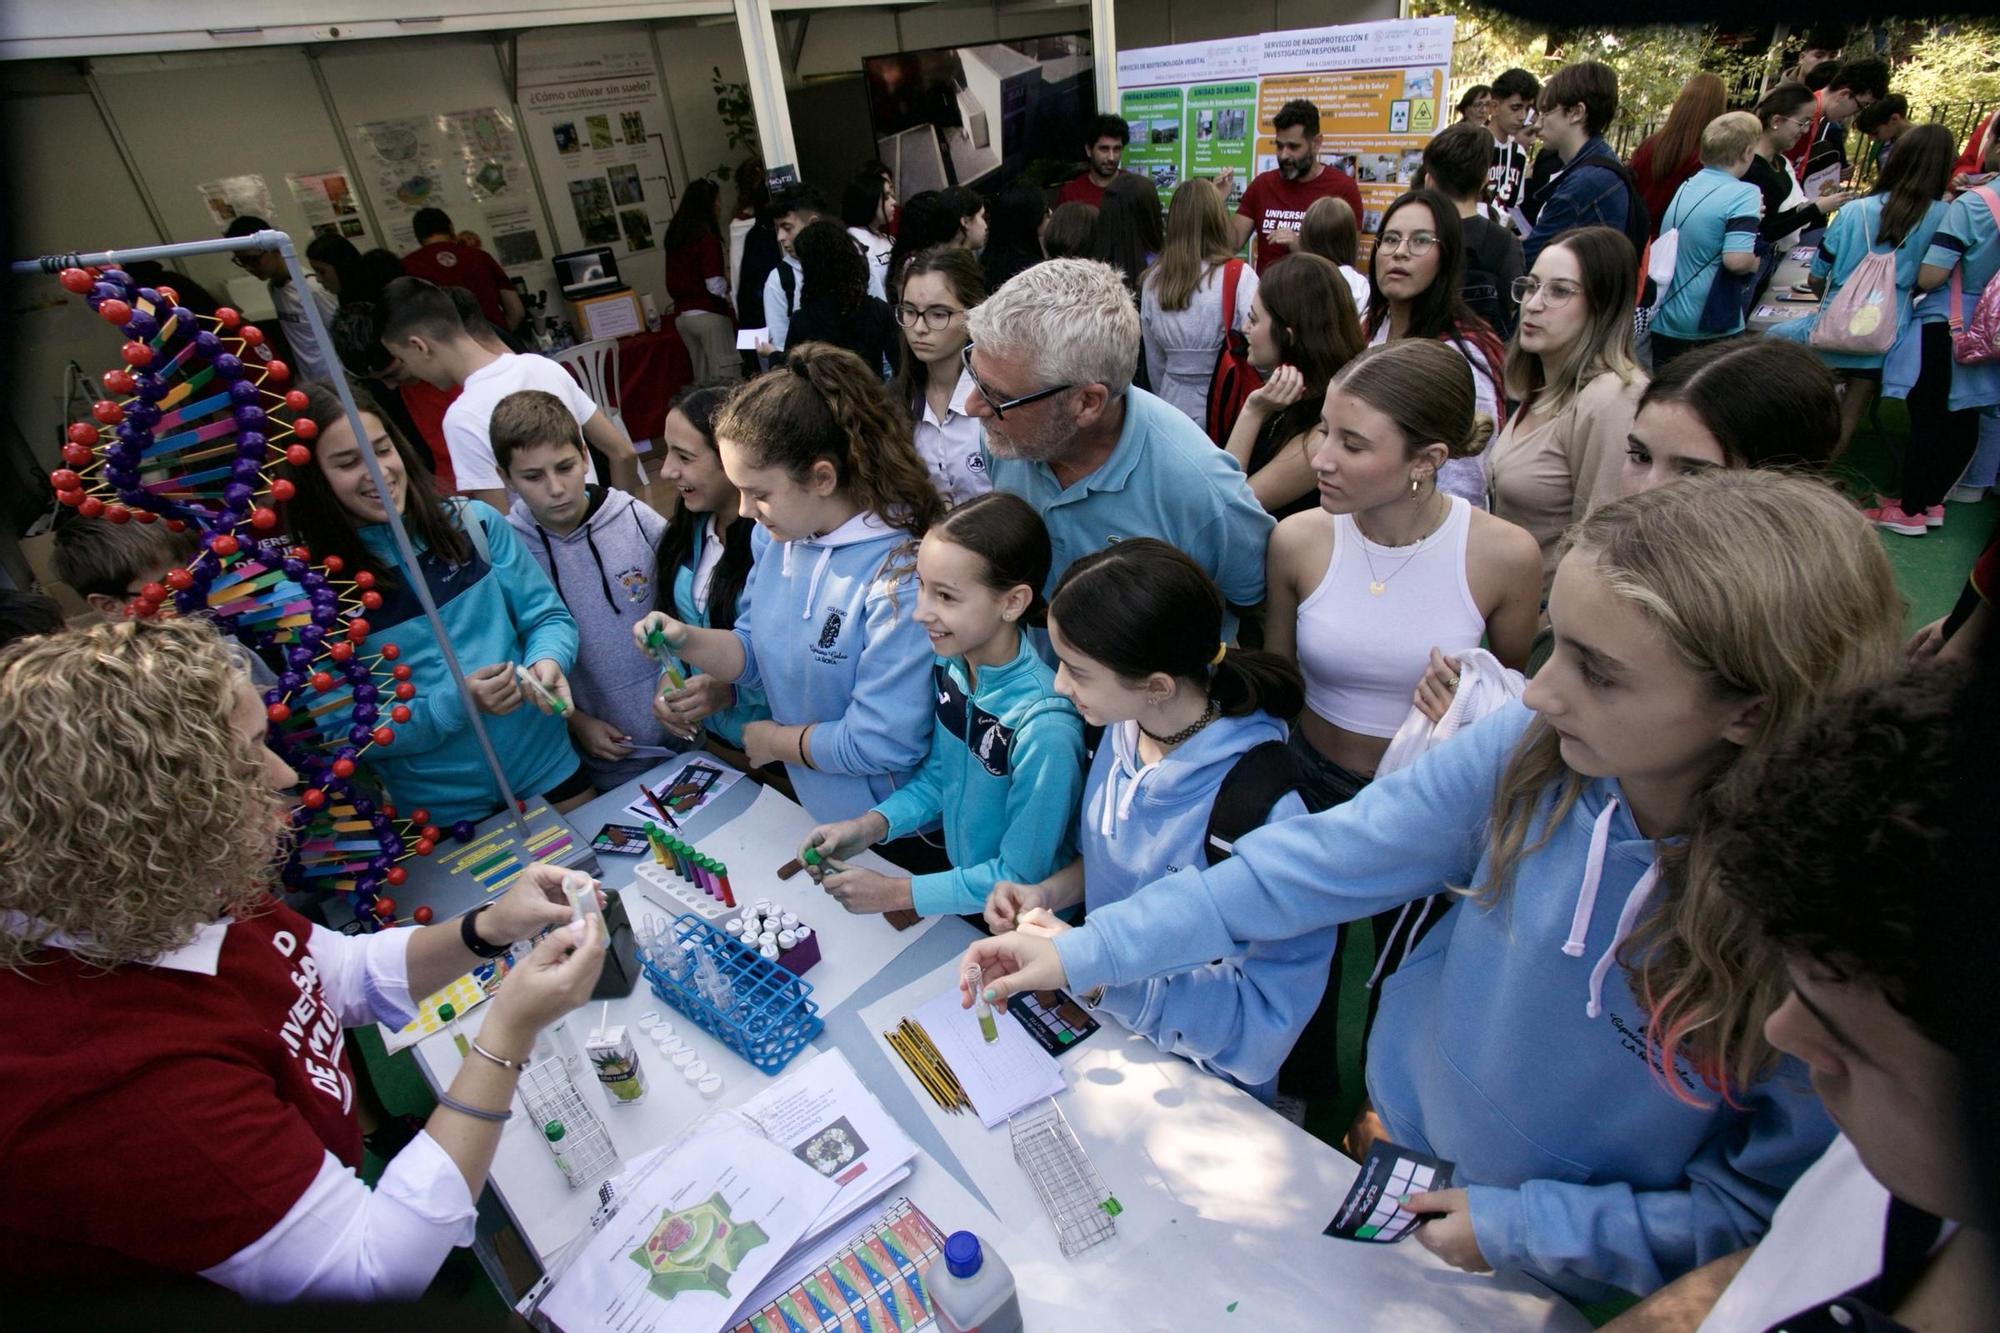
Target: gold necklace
column 1378, row 586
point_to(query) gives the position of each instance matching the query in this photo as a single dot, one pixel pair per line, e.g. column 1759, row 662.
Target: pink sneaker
column 1934, row 516
column 1890, row 515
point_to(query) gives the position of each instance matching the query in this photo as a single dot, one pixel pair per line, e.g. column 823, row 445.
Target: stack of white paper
column 1000, row 1076
column 700, row 1225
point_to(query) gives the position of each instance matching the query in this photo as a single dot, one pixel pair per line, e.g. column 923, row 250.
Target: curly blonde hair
column 134, row 814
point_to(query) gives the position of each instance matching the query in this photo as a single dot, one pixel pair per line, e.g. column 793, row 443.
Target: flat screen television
column 588, row 272
column 979, row 115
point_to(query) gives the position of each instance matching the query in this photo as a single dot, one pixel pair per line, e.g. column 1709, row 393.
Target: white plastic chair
column 595, row 365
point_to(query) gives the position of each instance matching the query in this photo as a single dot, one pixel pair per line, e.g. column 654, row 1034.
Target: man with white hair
column 1051, row 357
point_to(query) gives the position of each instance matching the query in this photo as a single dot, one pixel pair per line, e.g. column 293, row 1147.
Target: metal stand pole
column 282, row 243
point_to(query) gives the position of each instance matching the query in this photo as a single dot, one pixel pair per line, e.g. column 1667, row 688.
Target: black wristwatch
column 479, row 947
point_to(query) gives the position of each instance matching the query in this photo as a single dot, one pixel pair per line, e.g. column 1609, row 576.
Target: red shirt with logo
column 1273, row 203
column 154, row 1119
column 449, row 264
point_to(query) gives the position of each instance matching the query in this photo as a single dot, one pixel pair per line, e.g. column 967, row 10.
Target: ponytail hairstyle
column 1425, row 388
column 1771, row 587
column 319, row 523
column 1143, row 606
column 1012, row 544
column 827, row 404
column 700, row 404
column 1768, row 402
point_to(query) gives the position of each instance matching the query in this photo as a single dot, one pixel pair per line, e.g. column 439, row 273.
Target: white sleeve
column 777, row 316
column 366, row 978
column 1485, row 396
column 472, row 461
column 550, row 376
column 343, row 1241
column 1246, row 292
column 717, row 287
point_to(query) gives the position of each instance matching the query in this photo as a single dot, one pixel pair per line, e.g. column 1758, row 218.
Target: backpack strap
column 1260, row 775
column 1957, row 313
column 475, row 531
column 788, row 282
column 1232, row 272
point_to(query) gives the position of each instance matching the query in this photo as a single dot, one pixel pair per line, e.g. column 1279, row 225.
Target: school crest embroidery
column 991, row 743
column 830, row 631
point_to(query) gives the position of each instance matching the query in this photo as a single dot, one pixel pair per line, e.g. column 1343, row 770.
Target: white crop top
column 1361, row 652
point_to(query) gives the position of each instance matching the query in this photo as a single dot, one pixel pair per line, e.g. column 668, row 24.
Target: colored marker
column 654, row 801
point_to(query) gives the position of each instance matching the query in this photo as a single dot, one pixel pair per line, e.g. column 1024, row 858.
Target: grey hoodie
column 604, row 570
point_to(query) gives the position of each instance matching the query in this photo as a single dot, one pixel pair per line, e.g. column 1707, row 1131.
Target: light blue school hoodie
column 1004, row 773
column 1239, row 1016
column 749, row 706
column 502, row 611
column 1510, row 1041
column 828, row 637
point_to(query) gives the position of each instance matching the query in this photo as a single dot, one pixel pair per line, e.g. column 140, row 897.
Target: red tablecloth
column 652, row 368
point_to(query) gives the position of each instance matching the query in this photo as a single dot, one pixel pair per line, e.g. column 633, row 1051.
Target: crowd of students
column 1164, row 705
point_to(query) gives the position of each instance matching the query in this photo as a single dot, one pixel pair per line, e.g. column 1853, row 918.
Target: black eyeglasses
column 934, row 317
column 1001, row 406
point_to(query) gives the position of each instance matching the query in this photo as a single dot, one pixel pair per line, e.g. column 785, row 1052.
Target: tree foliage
column 1937, row 63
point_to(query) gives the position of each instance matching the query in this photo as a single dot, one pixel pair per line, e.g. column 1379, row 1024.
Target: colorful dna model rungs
column 191, row 433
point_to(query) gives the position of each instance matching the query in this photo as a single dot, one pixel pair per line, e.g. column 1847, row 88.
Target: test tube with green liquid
column 448, row 1015
column 975, row 980
column 657, row 642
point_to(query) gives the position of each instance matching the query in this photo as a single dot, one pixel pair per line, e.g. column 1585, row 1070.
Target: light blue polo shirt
column 1969, row 240
column 1717, row 215
column 1164, row 479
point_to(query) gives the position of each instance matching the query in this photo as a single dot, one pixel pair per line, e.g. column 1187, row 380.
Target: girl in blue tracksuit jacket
column 1137, row 628
column 497, row 606
column 1560, row 1033
column 825, row 627
column 1006, row 761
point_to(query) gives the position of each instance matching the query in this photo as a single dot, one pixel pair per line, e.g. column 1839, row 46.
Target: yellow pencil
column 923, row 1075
column 931, row 1051
column 939, row 1069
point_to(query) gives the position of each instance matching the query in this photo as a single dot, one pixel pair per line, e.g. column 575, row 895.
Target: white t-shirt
column 466, row 419
column 876, row 248
column 951, row 448
column 1825, row 1238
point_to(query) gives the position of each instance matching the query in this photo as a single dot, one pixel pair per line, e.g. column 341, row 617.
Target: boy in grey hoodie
column 598, row 547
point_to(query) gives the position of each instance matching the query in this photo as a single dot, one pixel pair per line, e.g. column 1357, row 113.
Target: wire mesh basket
column 1082, row 1211
column 584, row 1152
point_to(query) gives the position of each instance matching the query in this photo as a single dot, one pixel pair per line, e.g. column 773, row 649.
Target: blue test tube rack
column 774, row 1016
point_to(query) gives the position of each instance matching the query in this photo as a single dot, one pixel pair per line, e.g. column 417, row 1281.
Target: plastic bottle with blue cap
column 972, row 1289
